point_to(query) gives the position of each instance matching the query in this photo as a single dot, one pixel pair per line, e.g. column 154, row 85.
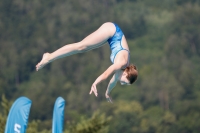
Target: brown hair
column 132, row 73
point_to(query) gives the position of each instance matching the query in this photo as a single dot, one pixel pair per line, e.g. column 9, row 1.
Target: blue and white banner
column 18, row 116
column 58, row 115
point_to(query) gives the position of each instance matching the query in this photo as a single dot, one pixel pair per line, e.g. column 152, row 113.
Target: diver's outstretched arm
column 110, row 87
column 113, row 69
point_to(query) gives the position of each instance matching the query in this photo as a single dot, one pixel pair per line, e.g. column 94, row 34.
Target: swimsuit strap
column 128, row 56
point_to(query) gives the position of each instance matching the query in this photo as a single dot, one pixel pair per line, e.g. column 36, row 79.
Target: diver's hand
column 94, row 89
column 108, row 97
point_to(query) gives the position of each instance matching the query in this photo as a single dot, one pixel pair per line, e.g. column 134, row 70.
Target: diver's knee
column 81, row 47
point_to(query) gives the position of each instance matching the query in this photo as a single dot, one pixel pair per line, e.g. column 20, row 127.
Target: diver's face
column 123, row 80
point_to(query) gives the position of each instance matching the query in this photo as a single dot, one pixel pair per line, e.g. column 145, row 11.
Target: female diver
column 121, row 69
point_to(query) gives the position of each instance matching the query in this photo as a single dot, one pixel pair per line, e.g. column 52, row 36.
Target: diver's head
column 129, row 75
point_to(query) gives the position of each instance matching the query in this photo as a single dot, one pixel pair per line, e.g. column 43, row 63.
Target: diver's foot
column 43, row 62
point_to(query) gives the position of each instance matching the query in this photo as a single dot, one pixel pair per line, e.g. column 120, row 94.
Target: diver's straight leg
column 92, row 41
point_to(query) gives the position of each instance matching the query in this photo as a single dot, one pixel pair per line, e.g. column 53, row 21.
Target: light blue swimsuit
column 115, row 43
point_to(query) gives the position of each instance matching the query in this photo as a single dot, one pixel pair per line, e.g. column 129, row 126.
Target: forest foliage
column 164, row 40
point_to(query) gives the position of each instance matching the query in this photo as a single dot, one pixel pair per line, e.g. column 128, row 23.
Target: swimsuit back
column 115, row 43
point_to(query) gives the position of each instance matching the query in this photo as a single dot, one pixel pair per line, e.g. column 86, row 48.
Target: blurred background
column 164, row 40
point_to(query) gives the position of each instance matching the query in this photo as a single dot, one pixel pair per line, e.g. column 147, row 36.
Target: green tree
column 98, row 123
